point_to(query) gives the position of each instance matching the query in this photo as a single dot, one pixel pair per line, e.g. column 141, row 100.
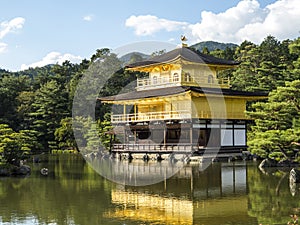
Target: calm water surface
column 73, row 193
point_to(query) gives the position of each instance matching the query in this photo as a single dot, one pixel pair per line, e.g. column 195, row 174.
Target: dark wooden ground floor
column 181, row 136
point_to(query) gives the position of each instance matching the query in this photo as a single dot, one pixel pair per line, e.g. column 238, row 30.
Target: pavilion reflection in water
column 134, row 173
column 189, row 197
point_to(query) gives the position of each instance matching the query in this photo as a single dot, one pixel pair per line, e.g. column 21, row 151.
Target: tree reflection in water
column 270, row 196
column 73, row 193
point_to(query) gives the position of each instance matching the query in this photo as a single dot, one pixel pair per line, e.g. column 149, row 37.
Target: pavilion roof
column 186, row 54
column 160, row 92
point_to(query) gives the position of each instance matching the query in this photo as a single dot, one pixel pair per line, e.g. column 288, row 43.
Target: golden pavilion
column 181, row 106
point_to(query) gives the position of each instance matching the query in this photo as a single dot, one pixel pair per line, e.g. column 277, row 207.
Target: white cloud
column 148, row 24
column 2, row 47
column 88, row 18
column 7, row 27
column 11, row 26
column 226, row 26
column 245, row 21
column 283, row 21
column 171, row 40
column 53, row 58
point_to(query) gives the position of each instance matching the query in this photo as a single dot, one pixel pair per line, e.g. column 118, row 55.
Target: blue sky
column 34, row 33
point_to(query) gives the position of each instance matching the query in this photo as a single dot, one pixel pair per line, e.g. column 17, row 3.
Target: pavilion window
column 210, row 79
column 187, row 77
column 175, row 77
column 154, row 80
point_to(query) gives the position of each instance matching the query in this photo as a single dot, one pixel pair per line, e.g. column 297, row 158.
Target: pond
column 73, row 193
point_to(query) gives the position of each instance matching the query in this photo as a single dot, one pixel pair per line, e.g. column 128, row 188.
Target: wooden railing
column 154, row 148
column 220, row 115
column 158, row 81
column 151, row 116
column 147, row 83
column 174, row 115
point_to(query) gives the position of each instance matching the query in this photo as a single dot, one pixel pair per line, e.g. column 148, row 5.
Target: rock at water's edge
column 294, row 176
column 22, row 170
column 273, row 163
column 4, row 172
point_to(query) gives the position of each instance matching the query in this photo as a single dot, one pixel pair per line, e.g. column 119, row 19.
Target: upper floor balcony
column 174, row 115
column 151, row 116
column 161, row 82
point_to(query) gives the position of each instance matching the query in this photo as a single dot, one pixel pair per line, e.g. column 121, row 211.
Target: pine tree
column 245, row 76
column 64, row 135
column 15, row 145
column 10, row 88
column 49, row 107
column 277, row 123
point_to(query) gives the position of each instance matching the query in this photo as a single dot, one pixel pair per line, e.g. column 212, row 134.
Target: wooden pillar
column 233, row 135
column 124, row 112
column 124, row 109
column 233, row 178
column 245, row 128
column 165, row 137
column 191, row 136
column 135, row 111
column 192, row 183
column 125, row 135
column 110, row 142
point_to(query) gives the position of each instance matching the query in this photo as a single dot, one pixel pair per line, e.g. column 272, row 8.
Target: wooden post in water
column 165, row 137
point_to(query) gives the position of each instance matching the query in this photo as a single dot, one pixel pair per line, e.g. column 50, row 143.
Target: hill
column 212, row 45
column 133, row 57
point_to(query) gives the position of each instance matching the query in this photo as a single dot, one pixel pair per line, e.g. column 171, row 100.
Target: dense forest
column 36, row 104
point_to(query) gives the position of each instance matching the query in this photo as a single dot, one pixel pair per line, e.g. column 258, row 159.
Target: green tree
column 30, row 143
column 82, row 67
column 157, row 53
column 100, row 54
column 10, row 88
column 25, row 101
column 294, row 50
column 99, row 134
column 64, row 135
column 105, row 132
column 274, row 144
column 39, row 75
column 90, row 135
column 205, row 51
column 263, row 67
column 277, row 123
column 273, row 62
column 245, row 76
column 15, row 145
column 50, row 106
